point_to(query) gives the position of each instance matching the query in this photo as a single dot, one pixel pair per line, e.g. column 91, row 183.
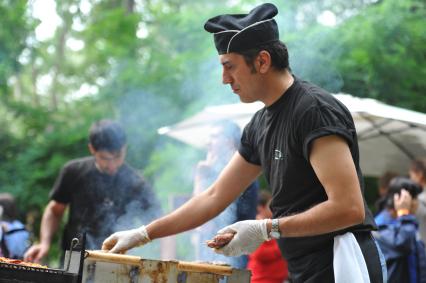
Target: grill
column 16, row 273
column 98, row 267
column 102, row 267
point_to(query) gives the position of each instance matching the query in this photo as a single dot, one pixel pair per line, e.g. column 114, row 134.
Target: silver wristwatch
column 275, row 229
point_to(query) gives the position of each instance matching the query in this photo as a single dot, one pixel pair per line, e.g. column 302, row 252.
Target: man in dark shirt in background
column 103, row 194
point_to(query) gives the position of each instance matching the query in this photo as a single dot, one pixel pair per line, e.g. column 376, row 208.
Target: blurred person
column 223, row 143
column 304, row 142
column 417, row 173
column 103, row 194
column 14, row 237
column 267, row 265
column 398, row 237
column 382, row 190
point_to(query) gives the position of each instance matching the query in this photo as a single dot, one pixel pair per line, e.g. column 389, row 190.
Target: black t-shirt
column 101, row 204
column 279, row 139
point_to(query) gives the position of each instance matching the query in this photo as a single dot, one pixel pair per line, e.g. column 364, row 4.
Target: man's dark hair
column 10, row 212
column 107, row 135
column 277, row 50
column 399, row 183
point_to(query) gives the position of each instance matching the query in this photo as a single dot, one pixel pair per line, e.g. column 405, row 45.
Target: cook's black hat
column 239, row 32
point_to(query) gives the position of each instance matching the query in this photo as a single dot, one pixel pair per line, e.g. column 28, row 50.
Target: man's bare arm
column 50, row 221
column 333, row 164
column 49, row 225
column 233, row 180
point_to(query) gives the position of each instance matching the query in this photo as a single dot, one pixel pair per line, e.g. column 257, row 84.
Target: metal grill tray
column 16, row 273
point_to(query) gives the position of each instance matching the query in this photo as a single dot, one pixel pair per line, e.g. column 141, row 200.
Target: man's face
column 108, row 162
column 243, row 81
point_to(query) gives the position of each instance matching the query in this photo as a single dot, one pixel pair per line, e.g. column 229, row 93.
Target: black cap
column 239, row 32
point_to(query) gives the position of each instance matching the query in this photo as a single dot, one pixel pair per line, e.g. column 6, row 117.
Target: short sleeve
column 247, row 147
column 61, row 191
column 319, row 121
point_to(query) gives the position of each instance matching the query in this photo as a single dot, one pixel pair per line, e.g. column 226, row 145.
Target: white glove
column 122, row 241
column 249, row 234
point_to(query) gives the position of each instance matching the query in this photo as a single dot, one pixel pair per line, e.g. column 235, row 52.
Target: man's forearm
column 49, row 225
column 192, row 214
column 323, row 218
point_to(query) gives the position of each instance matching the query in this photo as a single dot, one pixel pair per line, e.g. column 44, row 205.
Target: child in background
column 398, row 237
column 266, row 263
column 14, row 238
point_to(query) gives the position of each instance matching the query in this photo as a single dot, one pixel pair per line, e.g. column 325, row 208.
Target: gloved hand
column 249, row 234
column 122, row 241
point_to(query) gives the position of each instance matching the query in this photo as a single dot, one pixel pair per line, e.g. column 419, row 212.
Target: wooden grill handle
column 113, row 258
column 137, row 261
column 204, row 267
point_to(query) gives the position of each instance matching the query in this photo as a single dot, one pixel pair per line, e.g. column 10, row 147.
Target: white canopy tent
column 389, row 137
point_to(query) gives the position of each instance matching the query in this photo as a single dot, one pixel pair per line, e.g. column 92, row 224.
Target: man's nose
column 226, row 78
column 112, row 166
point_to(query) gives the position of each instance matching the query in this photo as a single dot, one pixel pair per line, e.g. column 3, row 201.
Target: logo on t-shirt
column 278, row 155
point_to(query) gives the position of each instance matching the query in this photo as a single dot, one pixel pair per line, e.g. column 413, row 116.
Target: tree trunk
column 130, row 6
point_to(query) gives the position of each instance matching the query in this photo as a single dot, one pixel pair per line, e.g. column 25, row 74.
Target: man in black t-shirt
column 304, row 142
column 104, row 194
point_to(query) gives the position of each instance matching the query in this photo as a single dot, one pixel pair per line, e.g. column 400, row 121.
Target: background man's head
column 107, row 143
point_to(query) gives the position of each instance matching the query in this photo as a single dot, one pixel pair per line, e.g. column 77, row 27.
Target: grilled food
column 20, row 262
column 220, row 240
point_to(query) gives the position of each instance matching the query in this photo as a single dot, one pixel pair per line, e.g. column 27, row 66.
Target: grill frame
column 16, row 273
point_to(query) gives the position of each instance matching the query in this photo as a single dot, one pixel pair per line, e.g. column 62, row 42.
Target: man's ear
column 264, row 61
column 91, row 149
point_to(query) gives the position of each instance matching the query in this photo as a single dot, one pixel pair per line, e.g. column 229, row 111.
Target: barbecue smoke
column 142, row 109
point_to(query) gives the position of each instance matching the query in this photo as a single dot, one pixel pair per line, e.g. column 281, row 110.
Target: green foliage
column 15, row 28
column 383, row 53
column 378, row 53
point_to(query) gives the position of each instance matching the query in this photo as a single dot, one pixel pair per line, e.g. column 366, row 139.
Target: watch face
column 275, row 235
